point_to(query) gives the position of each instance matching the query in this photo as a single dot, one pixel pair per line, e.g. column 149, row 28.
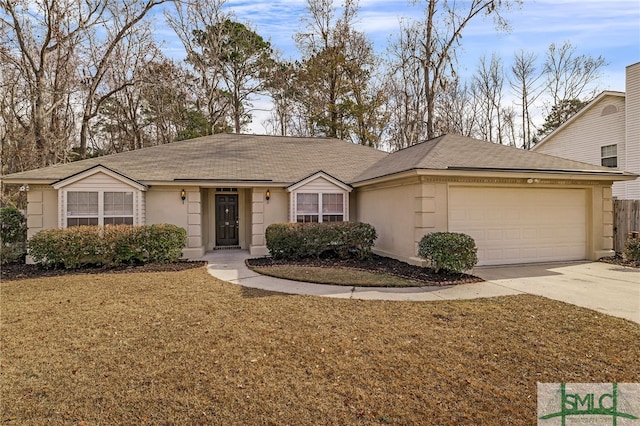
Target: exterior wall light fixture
column 183, row 195
column 267, row 195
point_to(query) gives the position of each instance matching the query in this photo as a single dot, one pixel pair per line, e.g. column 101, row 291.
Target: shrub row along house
column 225, row 189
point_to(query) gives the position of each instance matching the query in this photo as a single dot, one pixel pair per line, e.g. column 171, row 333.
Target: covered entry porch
column 234, row 217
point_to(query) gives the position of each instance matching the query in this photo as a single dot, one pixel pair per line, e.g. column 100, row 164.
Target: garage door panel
column 520, row 225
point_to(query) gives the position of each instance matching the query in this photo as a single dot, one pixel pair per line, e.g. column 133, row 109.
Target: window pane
column 118, row 203
column 118, row 221
column 82, row 203
column 609, row 151
column 332, row 203
column 610, row 162
column 78, row 221
column 307, row 218
column 307, row 203
column 332, row 218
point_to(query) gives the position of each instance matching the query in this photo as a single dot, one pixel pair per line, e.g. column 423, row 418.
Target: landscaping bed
column 18, row 271
column 619, row 260
column 416, row 275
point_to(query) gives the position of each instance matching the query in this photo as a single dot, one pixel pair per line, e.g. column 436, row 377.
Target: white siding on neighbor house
column 101, row 182
column 632, row 146
column 581, row 141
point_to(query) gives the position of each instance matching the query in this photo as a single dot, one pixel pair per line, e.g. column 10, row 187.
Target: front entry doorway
column 226, row 220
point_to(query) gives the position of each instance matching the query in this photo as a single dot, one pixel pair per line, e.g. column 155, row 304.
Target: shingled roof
column 285, row 160
column 227, row 157
column 454, row 152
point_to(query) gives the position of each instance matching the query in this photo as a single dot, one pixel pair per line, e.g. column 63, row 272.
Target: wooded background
column 83, row 78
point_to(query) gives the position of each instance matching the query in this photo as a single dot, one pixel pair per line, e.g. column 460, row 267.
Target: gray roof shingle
column 454, row 152
column 228, row 157
column 285, row 160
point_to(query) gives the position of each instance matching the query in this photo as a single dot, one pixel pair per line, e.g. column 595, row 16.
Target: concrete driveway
column 610, row 289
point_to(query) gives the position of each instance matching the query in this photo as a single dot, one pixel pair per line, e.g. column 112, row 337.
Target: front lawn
column 185, row 348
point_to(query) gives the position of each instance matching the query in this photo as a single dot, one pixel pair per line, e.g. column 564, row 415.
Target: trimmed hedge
column 13, row 234
column 112, row 245
column 632, row 248
column 448, row 251
column 304, row 240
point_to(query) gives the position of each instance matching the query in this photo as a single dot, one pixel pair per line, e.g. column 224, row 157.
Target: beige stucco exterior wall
column 601, row 244
column 163, row 205
column 264, row 213
column 404, row 211
column 42, row 209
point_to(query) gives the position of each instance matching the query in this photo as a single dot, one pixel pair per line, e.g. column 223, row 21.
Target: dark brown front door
column 226, row 220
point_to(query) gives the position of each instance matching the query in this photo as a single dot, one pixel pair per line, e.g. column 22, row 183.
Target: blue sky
column 610, row 28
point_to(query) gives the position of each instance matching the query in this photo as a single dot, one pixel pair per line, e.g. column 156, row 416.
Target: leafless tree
column 336, row 89
column 104, row 44
column 40, row 46
column 458, row 110
column 525, row 84
column 204, row 17
column 488, row 81
column 570, row 76
column 281, row 86
column 122, row 123
column 427, row 50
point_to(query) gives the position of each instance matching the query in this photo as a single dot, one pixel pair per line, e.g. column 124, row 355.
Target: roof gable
column 319, row 175
column 95, row 170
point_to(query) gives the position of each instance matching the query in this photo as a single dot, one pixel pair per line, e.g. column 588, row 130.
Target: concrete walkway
column 605, row 288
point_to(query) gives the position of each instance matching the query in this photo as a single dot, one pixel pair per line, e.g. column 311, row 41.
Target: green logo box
column 593, row 404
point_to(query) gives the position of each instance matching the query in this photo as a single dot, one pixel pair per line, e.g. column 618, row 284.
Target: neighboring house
column 605, row 132
column 226, row 189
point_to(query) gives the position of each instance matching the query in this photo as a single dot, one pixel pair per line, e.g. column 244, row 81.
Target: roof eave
column 576, row 175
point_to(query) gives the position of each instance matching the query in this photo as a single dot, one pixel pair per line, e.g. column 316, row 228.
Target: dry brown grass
column 184, row 348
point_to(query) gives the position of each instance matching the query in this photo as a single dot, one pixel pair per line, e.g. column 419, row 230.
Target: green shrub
column 13, row 234
column 632, row 248
column 112, row 245
column 448, row 251
column 68, row 248
column 162, row 243
column 122, row 245
column 305, row 240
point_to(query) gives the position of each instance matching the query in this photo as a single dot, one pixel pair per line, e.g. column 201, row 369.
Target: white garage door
column 521, row 225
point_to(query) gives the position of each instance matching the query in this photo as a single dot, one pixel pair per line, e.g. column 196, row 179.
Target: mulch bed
column 376, row 264
column 618, row 260
column 17, row 271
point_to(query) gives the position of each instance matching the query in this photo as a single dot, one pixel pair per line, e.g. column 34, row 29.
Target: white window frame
column 320, row 213
column 101, row 212
column 319, row 183
column 606, row 154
